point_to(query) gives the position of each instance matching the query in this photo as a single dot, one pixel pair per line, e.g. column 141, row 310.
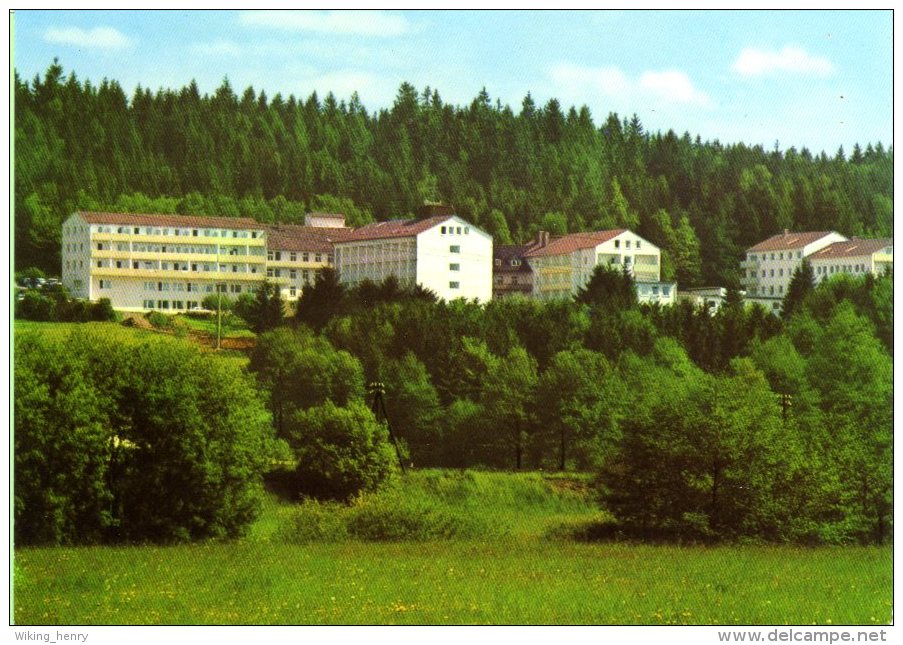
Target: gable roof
column 196, row 221
column 852, row 248
column 574, row 242
column 394, row 228
column 294, row 237
column 508, row 252
column 789, row 240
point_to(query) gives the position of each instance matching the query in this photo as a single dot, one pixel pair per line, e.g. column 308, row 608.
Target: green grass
column 516, row 575
column 232, row 326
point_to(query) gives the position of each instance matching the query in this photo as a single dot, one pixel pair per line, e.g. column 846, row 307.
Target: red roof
column 196, row 221
column 394, row 228
column 789, row 240
column 293, row 237
column 852, row 248
column 573, row 242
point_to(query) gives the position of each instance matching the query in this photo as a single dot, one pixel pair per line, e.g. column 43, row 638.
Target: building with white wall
column 442, row 253
column 561, row 266
column 855, row 257
column 172, row 262
column 165, row 262
column 769, row 265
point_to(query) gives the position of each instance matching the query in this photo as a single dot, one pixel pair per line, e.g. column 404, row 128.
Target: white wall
column 474, row 260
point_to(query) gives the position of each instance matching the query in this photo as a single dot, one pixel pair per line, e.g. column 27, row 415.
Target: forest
column 82, row 144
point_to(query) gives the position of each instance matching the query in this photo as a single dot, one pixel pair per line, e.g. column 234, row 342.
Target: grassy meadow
column 450, row 547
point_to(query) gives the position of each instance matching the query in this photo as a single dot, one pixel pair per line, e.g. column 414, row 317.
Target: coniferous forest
column 513, row 170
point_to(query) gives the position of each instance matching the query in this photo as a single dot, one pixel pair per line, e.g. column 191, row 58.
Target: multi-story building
column 297, row 253
column 511, row 273
column 854, row 257
column 769, row 265
column 561, row 266
column 442, row 253
column 166, row 262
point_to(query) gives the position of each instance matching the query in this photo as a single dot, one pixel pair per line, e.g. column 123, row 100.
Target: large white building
column 172, row 262
column 853, row 257
column 442, row 253
column 769, row 265
column 563, row 265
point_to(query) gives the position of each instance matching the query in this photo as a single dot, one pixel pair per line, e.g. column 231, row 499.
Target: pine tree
column 801, row 285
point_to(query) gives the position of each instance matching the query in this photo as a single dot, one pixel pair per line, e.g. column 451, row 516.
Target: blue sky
column 818, row 79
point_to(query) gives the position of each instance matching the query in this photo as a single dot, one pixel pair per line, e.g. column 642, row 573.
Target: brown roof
column 327, row 215
column 394, row 228
column 852, row 248
column 135, row 219
column 293, row 237
column 789, row 240
column 508, row 252
column 573, row 242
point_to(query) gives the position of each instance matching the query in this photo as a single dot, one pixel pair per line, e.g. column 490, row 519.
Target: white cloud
column 357, row 23
column 98, row 38
column 219, row 48
column 662, row 87
column 758, row 62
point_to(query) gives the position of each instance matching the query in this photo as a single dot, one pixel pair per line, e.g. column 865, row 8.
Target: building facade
column 561, row 266
column 855, row 257
column 172, row 262
column 769, row 265
column 511, row 272
column 442, row 253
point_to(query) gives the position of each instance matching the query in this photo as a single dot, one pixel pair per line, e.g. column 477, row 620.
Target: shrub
column 341, row 451
column 397, row 517
column 313, row 521
column 150, row 441
column 34, row 306
column 158, row 320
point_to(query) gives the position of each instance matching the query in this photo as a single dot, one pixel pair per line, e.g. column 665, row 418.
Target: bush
column 158, row 320
column 34, row 306
column 341, row 451
column 397, row 517
column 137, row 441
column 314, row 521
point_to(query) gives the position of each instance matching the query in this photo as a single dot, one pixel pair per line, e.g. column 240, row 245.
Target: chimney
column 786, row 232
column 542, row 238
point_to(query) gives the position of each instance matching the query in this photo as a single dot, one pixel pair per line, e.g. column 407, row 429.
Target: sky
column 815, row 79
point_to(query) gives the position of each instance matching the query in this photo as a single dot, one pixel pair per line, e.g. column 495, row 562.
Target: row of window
column 841, row 268
column 306, row 274
column 190, row 305
column 178, row 232
column 454, row 230
column 150, row 265
column 646, row 289
column 626, row 244
column 276, row 256
column 780, row 256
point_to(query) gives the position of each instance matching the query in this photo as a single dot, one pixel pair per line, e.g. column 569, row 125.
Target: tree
column 322, row 301
column 341, row 452
column 801, row 285
column 608, row 287
column 118, row 439
column 413, row 407
column 507, row 395
column 579, row 397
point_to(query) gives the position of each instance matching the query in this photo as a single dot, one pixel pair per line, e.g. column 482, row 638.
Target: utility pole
column 219, row 315
column 379, row 409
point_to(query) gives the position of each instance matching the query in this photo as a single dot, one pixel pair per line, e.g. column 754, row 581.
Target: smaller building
column 709, row 297
column 854, row 257
column 511, row 272
column 295, row 254
column 769, row 265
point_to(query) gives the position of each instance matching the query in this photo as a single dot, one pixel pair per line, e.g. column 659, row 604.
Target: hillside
column 80, row 144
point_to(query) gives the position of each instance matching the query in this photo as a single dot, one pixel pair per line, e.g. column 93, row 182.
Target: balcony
column 216, row 276
column 180, row 239
column 643, row 273
column 178, row 257
column 750, row 264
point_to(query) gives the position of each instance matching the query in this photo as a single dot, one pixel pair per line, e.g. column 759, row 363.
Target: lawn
column 522, row 574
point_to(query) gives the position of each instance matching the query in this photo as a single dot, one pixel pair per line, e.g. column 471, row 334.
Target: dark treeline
column 511, row 171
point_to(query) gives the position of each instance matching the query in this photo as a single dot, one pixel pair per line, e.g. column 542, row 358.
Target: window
column 271, row 256
column 655, row 290
column 458, row 230
column 305, row 257
column 148, row 304
column 454, row 248
column 454, row 267
column 163, row 304
column 617, row 244
column 293, row 291
column 293, row 257
column 318, row 258
column 293, row 274
column 466, row 230
column 194, row 232
column 627, row 244
column 136, row 230
column 442, row 230
column 305, row 275
column 515, row 263
column 269, row 273
column 772, row 256
column 159, row 286
column 99, row 263
column 135, row 264
column 454, row 285
column 99, row 246
column 780, row 256
column 638, row 244
column 763, row 273
column 666, row 290
column 235, row 288
column 104, row 284
column 772, row 273
column 498, row 263
column 781, row 272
